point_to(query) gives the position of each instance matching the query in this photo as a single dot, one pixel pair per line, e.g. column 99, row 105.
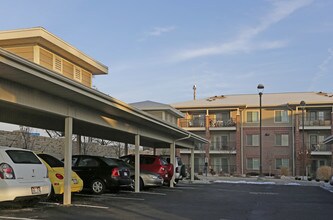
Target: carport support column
column 68, row 160
column 137, row 163
column 192, row 164
column 172, row 160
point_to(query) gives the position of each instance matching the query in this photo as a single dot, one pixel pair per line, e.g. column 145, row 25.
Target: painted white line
column 253, row 193
column 150, row 193
column 110, row 197
column 264, row 193
column 185, row 187
column 78, row 205
column 91, row 206
column 6, row 217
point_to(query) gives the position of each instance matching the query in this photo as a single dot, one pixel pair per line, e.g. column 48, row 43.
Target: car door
column 87, row 168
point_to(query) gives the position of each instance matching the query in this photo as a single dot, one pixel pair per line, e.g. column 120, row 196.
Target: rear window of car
column 23, row 157
column 109, row 161
column 147, row 160
column 51, row 161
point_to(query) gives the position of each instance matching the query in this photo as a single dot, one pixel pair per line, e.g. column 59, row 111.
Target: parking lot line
column 6, row 217
column 151, row 193
column 78, row 205
column 110, row 197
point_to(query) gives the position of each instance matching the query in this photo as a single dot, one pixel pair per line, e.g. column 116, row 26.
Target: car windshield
column 21, row 157
column 51, row 161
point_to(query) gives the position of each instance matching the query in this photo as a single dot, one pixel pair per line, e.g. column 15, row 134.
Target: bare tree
column 26, row 136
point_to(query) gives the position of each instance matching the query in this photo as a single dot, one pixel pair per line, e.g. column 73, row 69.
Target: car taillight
column 115, row 172
column 59, row 176
column 6, row 171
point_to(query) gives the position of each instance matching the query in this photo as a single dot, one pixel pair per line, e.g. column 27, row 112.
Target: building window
column 281, row 163
column 252, row 117
column 252, row 140
column 282, row 140
column 281, row 116
column 77, row 75
column 252, row 163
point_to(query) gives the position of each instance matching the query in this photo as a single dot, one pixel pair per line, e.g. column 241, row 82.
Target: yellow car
column 56, row 174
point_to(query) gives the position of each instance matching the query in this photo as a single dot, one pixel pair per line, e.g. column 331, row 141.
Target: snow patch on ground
column 244, row 182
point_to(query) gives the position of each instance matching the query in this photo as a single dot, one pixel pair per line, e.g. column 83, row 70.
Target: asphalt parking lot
column 191, row 201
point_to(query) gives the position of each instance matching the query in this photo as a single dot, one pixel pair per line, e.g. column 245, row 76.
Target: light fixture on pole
column 302, row 103
column 260, row 88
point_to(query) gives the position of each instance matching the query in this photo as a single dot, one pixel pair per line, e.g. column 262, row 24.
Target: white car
column 180, row 170
column 22, row 176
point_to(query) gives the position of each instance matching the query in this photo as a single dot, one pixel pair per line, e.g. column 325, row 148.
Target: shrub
column 324, row 173
column 284, row 171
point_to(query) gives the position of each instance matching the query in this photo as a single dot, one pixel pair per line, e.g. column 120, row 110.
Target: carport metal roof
column 35, row 96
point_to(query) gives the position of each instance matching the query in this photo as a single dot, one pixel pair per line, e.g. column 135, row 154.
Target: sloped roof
column 252, row 100
column 156, row 106
column 39, row 35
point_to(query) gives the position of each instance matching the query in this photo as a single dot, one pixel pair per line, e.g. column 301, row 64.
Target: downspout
column 242, row 141
column 293, row 137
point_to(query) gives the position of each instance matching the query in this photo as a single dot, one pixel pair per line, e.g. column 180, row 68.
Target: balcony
column 222, row 148
column 310, row 124
column 228, row 124
column 320, row 149
column 193, row 124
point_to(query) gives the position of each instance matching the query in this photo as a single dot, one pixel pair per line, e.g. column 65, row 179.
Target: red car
column 152, row 163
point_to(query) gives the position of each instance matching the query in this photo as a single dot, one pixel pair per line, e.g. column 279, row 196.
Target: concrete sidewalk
column 288, row 180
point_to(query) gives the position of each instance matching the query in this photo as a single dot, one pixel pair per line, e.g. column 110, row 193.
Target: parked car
column 147, row 178
column 56, row 175
column 101, row 173
column 22, row 176
column 152, row 163
column 180, row 169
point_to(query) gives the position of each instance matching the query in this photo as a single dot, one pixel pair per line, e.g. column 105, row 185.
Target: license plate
column 75, row 181
column 35, row 190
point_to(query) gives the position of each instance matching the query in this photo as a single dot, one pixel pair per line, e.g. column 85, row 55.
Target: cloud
column 323, row 66
column 243, row 42
column 157, row 31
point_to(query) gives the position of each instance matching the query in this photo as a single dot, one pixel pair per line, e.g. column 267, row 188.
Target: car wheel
column 183, row 171
column 142, row 184
column 97, row 186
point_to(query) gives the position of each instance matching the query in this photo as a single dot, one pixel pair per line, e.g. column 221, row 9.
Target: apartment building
column 294, row 126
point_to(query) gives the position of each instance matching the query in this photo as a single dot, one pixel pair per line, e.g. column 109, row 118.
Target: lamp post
column 302, row 103
column 260, row 88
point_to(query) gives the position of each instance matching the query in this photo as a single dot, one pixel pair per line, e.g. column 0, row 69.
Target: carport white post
column 137, row 163
column 172, row 160
column 68, row 160
column 192, row 165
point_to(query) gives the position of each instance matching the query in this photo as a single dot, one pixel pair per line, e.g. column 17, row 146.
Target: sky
column 157, row 50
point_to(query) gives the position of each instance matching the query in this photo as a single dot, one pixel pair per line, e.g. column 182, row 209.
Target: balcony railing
column 309, row 122
column 319, row 147
column 223, row 146
column 222, row 123
column 187, row 123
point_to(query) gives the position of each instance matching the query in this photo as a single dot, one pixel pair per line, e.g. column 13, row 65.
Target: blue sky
column 157, row 50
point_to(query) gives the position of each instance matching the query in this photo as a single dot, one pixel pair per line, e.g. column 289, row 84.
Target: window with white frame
column 281, row 116
column 281, row 139
column 252, row 116
column 252, row 140
column 281, row 162
column 252, row 163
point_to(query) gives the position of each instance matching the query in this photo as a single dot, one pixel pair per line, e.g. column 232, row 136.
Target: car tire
column 97, row 186
column 142, row 184
column 183, row 171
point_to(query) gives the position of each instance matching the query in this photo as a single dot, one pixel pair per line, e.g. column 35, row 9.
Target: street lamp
column 302, row 103
column 260, row 88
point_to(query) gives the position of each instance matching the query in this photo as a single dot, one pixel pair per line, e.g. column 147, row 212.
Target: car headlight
column 152, row 176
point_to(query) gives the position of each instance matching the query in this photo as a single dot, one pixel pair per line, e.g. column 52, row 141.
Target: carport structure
column 34, row 96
